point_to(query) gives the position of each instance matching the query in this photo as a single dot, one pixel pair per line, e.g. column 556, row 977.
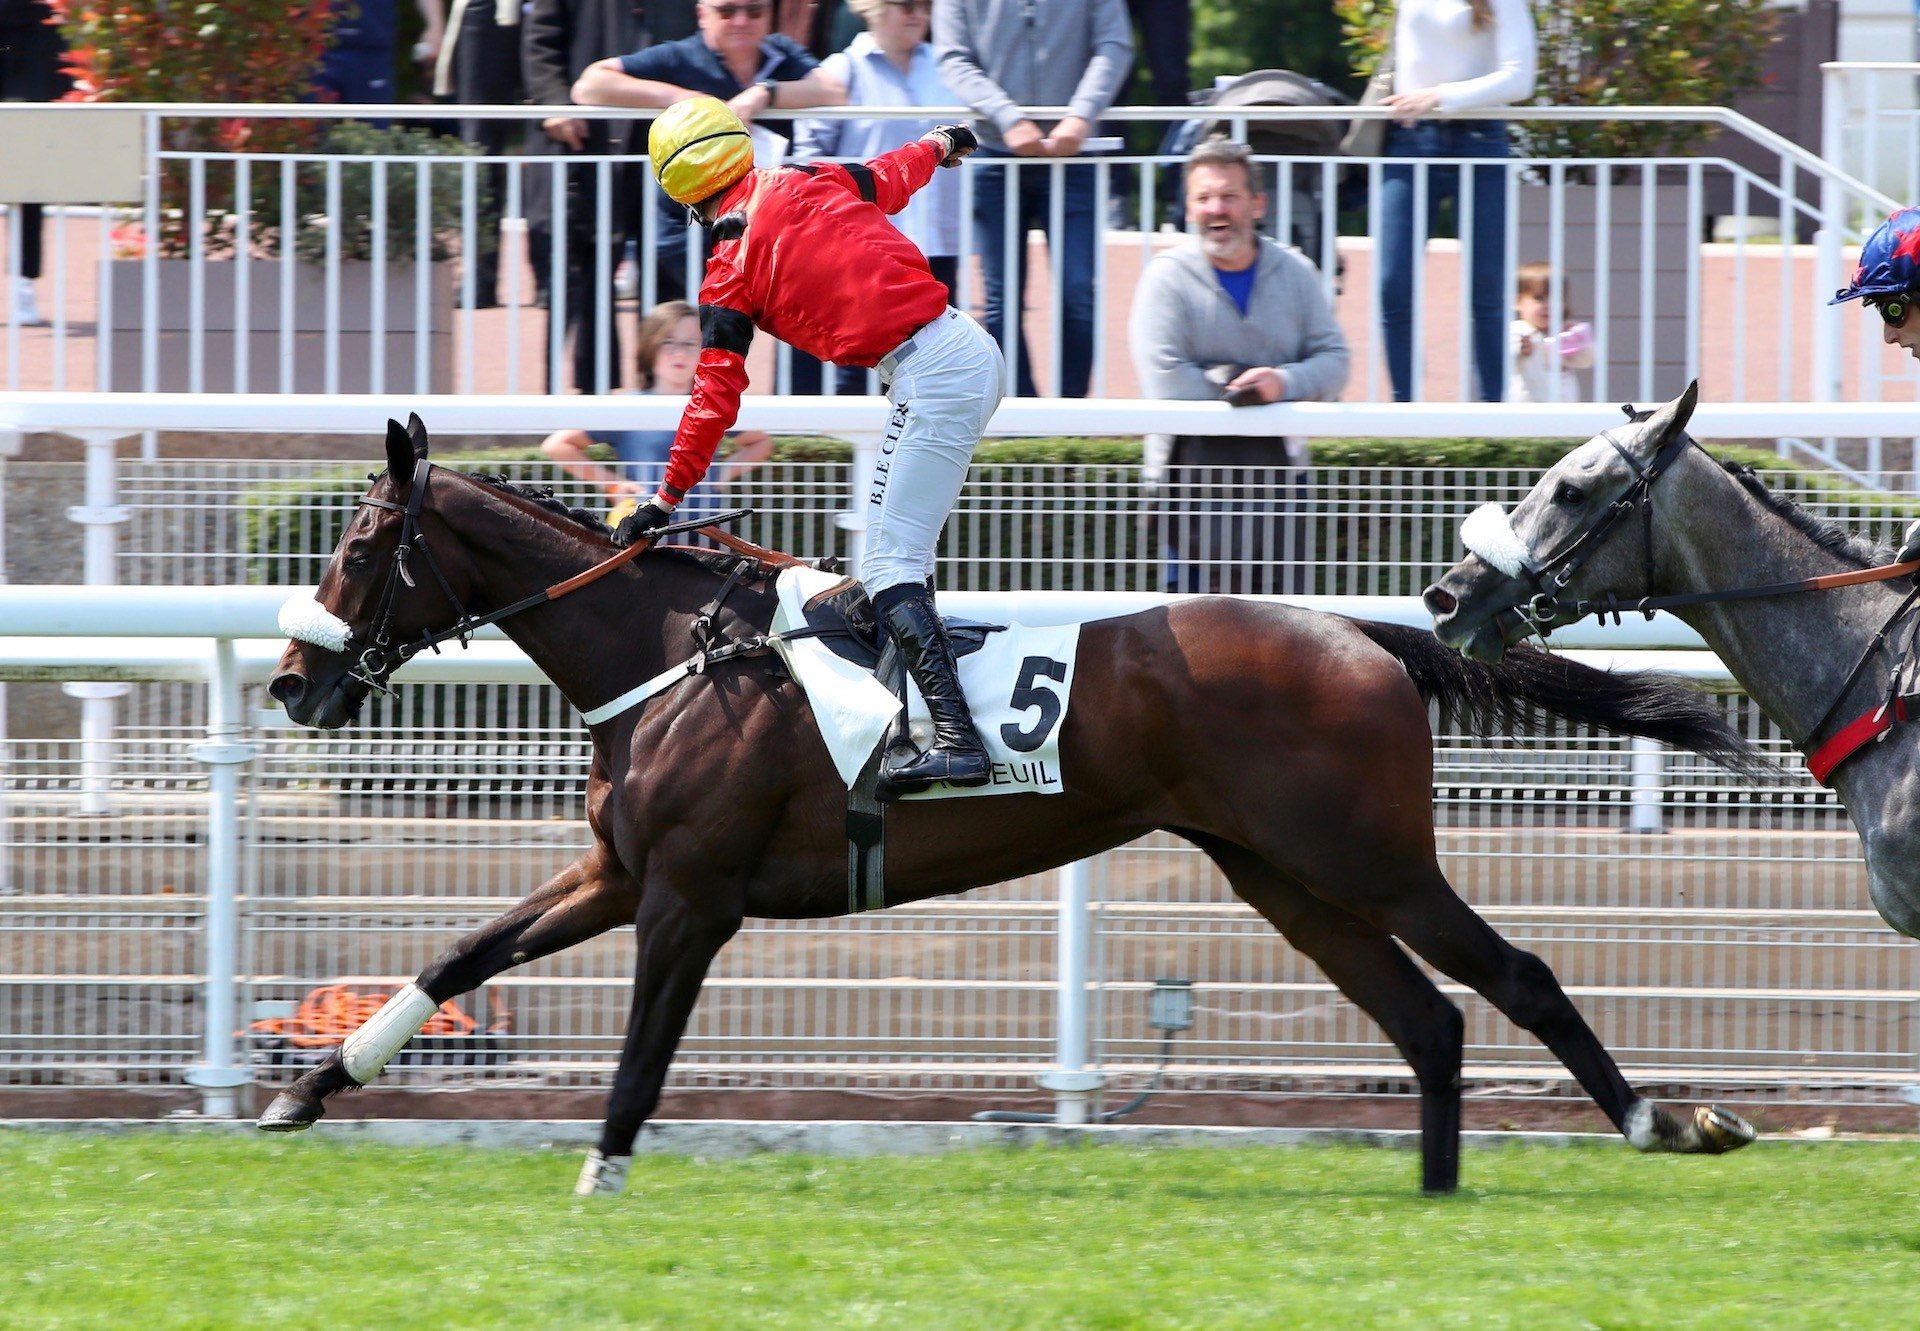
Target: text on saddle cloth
column 1017, row 684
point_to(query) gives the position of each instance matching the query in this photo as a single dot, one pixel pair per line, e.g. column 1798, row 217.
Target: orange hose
column 331, row 1013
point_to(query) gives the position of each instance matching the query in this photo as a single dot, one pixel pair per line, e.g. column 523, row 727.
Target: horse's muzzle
column 322, row 708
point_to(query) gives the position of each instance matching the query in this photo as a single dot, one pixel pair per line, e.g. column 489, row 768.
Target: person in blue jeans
column 1079, row 233
column 1452, row 55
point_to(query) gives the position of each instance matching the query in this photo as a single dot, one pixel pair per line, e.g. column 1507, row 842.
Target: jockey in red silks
column 1887, row 280
column 808, row 254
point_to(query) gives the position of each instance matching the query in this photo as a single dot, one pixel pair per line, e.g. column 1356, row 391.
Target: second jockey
column 808, row 254
column 1887, row 281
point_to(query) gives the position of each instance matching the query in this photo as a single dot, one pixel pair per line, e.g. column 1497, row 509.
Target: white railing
column 1747, row 316
column 1784, row 993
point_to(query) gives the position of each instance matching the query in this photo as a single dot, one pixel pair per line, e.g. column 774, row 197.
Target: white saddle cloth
column 1017, row 684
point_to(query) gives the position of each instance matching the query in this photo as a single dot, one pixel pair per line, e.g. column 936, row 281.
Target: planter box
column 219, row 327
column 1673, row 232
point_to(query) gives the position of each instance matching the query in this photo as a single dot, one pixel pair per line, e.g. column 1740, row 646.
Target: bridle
column 1549, row 578
column 382, row 655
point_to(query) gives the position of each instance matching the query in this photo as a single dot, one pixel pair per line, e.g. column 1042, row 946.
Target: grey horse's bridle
column 1488, row 533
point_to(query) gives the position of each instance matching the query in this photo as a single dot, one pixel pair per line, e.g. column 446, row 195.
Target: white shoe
column 26, row 305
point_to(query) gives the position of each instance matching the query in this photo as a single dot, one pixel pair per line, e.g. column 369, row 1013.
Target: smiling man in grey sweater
column 1234, row 315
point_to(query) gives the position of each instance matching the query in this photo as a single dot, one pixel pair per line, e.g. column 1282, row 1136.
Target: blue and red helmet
column 1889, row 261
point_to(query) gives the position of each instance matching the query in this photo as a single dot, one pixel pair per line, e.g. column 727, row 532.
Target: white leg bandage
column 1641, row 1134
column 602, row 1175
column 306, row 620
column 368, row 1049
column 1489, row 533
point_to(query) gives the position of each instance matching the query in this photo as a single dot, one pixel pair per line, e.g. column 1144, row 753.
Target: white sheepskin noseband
column 1489, row 533
column 306, row 620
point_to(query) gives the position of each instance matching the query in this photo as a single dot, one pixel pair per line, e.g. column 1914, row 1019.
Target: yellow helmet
column 699, row 147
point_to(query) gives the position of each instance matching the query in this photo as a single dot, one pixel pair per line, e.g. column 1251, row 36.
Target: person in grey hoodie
column 1001, row 57
column 1234, row 315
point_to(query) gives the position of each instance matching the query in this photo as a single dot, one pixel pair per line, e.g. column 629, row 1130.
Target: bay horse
column 1815, row 643
column 1293, row 748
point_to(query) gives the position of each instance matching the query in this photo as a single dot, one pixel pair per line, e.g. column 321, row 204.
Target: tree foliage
column 1616, row 53
column 1233, row 36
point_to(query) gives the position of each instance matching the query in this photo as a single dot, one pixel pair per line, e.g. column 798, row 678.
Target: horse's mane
column 545, row 499
column 1828, row 535
column 716, row 562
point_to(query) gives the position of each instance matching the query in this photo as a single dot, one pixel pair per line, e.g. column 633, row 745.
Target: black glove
column 956, row 140
column 649, row 516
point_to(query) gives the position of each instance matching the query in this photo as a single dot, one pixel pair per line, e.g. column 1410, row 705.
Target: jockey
column 1887, row 279
column 807, row 253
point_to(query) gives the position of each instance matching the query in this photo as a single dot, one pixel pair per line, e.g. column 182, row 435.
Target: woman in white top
column 1451, row 55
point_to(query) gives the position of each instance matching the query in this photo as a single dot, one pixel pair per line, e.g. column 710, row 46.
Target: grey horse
column 1595, row 526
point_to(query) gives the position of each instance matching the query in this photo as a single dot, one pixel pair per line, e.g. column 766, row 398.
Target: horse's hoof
column 602, row 1175
column 1721, row 1130
column 290, row 1113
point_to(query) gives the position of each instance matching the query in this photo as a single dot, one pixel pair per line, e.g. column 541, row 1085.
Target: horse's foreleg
column 1437, row 924
column 586, row 898
column 677, row 943
column 1371, row 969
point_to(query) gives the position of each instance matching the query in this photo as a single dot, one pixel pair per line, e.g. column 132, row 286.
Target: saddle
column 843, row 618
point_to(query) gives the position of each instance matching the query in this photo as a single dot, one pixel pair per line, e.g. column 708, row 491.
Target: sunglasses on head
column 1893, row 309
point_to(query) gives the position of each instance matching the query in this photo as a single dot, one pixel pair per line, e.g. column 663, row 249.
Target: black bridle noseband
column 1549, row 577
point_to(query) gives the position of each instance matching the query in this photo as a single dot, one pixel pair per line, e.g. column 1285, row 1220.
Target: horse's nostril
column 288, row 688
column 1439, row 601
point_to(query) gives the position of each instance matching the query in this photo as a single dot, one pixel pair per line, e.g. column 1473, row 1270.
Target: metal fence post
column 1071, row 1081
column 1649, row 766
column 99, row 516
column 220, row 1073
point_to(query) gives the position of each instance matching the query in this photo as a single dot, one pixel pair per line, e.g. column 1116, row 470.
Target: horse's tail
column 1510, row 696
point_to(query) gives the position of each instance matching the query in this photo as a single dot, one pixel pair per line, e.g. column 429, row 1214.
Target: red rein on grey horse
column 1293, row 748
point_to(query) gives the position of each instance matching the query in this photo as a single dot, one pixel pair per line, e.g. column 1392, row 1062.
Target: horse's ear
column 1660, row 427
column 399, row 454
column 417, row 431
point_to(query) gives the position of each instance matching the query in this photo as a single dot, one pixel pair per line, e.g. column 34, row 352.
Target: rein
column 383, row 656
column 1549, row 577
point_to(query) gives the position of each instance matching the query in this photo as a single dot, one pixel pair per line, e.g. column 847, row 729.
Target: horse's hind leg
column 586, row 898
column 1433, row 920
column 1371, row 969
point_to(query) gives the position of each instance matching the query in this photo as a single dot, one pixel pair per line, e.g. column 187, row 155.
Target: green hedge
column 1119, row 549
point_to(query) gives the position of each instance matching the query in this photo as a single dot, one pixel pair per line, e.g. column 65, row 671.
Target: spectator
column 734, row 56
column 479, row 65
column 562, row 38
column 1451, row 55
column 890, row 64
column 359, row 64
column 1001, row 56
column 1544, row 360
column 30, row 52
column 665, row 354
column 1239, row 316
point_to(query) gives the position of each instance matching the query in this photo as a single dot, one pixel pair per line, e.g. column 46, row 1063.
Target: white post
column 9, row 445
column 1071, row 1081
column 1649, row 794
column 99, row 516
column 220, row 1073
column 853, row 519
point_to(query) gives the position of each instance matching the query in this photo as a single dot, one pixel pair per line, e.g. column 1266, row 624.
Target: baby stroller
column 1299, row 192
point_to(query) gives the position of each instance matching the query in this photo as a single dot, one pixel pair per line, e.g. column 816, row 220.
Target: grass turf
column 149, row 1231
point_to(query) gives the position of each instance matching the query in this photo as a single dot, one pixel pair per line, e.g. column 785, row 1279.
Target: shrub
column 1617, row 53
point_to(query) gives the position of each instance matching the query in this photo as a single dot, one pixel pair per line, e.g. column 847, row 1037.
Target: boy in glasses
column 810, row 254
column 1887, row 280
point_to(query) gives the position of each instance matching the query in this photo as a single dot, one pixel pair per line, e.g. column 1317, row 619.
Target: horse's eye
column 357, row 561
column 1569, row 494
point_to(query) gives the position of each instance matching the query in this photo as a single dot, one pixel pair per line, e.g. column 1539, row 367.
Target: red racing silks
column 718, row 381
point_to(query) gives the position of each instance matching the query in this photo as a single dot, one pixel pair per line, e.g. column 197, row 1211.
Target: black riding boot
column 956, row 756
